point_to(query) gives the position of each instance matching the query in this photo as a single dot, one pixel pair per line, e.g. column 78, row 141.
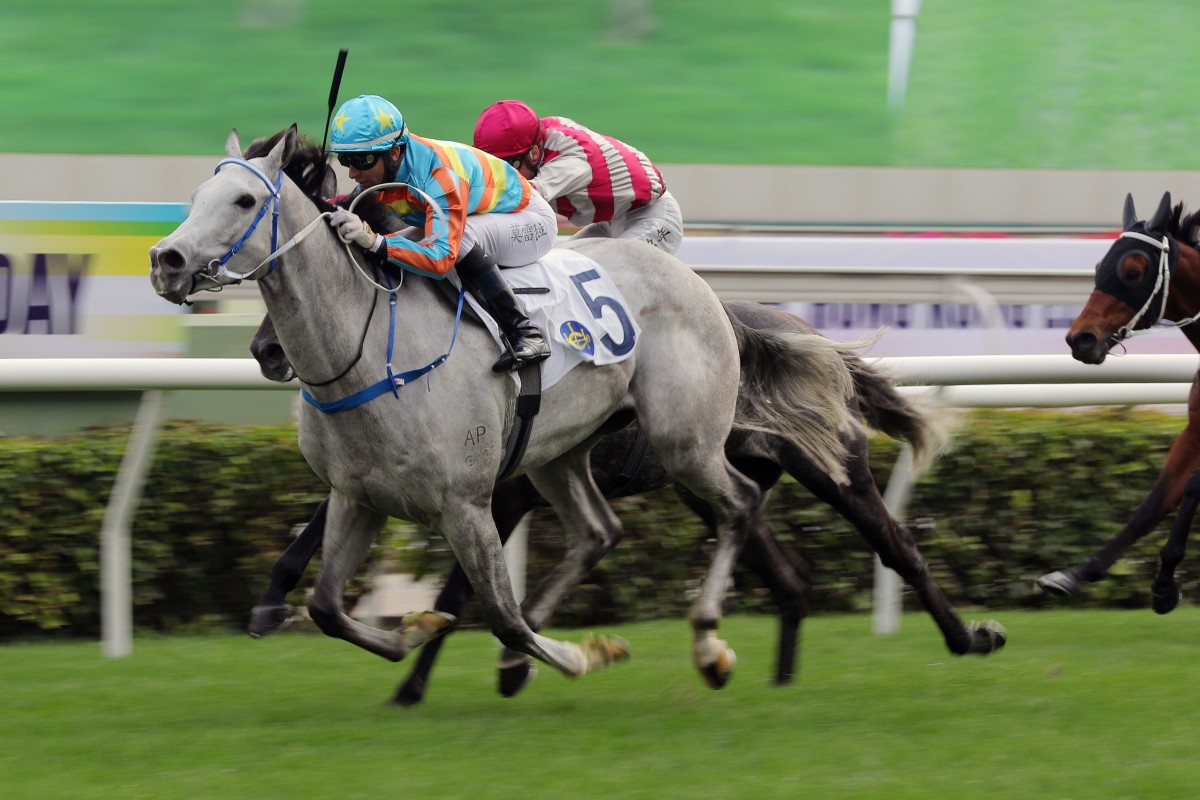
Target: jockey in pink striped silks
column 596, row 182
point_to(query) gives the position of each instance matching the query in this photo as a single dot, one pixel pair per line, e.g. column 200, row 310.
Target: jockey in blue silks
column 490, row 215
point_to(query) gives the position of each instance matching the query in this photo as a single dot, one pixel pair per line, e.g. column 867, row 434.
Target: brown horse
column 1150, row 276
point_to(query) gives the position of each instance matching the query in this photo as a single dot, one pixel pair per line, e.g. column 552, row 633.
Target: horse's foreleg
column 1166, row 589
column 511, row 501
column 472, row 535
column 1182, row 461
column 273, row 611
column 593, row 530
column 349, row 532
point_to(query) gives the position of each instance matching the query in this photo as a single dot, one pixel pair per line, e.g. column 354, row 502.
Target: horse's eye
column 246, row 201
column 1132, row 268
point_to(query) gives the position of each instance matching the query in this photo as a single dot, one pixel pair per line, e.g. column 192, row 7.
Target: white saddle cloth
column 577, row 307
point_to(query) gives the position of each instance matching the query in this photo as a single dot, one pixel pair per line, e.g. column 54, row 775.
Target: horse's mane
column 1185, row 226
column 307, row 169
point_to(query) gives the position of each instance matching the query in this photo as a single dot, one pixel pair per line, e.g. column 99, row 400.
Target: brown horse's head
column 1138, row 281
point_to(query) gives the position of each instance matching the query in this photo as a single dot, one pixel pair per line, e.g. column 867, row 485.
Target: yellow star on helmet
column 385, row 120
column 340, row 121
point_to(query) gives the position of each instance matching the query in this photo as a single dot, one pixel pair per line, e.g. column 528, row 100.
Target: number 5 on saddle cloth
column 577, row 307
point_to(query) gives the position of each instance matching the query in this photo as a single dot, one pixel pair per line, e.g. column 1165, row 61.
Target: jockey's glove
column 353, row 230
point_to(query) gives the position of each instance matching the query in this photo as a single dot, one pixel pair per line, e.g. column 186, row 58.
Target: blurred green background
column 1088, row 84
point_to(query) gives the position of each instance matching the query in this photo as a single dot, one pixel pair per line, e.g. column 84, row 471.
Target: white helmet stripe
column 388, row 138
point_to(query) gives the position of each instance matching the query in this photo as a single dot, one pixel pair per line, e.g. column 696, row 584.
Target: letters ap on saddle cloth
column 577, row 307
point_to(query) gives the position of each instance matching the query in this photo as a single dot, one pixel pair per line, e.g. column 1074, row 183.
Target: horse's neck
column 1185, row 293
column 316, row 299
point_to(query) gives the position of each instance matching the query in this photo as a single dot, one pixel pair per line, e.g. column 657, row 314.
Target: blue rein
column 392, row 382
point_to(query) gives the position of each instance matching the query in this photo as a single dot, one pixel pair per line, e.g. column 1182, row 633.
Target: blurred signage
column 941, row 326
column 74, row 280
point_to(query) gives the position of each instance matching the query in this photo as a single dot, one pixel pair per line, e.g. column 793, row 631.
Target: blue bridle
column 273, row 188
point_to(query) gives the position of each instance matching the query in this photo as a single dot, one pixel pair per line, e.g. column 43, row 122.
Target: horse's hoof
column 600, row 650
column 987, row 637
column 718, row 673
column 1164, row 600
column 411, row 692
column 1061, row 583
column 715, row 660
column 513, row 678
column 265, row 620
column 420, row 627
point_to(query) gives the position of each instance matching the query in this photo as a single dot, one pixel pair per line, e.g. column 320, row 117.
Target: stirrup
column 512, row 361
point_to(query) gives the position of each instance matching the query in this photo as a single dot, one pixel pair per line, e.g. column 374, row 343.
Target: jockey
column 599, row 183
column 491, row 217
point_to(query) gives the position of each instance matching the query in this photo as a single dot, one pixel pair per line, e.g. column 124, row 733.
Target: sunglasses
column 358, row 160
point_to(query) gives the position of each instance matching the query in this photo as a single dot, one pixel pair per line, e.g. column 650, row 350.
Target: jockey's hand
column 353, row 230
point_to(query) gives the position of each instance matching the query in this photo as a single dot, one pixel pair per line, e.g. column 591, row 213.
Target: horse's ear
column 328, row 182
column 233, row 148
column 283, row 150
column 1162, row 216
column 1129, row 215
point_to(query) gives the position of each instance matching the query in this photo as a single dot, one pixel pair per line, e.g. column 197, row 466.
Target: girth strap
column 633, row 465
column 529, row 402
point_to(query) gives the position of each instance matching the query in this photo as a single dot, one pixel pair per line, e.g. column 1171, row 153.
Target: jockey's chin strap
column 1162, row 282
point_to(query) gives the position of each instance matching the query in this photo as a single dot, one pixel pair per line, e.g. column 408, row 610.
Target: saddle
column 565, row 295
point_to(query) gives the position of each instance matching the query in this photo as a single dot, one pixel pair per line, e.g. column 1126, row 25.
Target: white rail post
column 886, row 613
column 516, row 554
column 900, row 48
column 116, row 593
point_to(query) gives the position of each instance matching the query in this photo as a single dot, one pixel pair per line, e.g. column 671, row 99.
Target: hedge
column 1021, row 493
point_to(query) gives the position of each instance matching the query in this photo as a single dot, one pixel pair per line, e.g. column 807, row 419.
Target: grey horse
column 406, row 456
column 760, row 456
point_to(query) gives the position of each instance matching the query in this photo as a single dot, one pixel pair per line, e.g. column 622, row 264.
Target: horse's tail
column 886, row 410
column 798, row 386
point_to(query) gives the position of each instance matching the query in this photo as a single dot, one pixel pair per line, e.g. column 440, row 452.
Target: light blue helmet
column 365, row 124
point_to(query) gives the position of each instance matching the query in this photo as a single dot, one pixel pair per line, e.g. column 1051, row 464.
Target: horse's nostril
column 169, row 259
column 273, row 355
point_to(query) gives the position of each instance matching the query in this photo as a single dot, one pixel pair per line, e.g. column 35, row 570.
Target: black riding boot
column 481, row 277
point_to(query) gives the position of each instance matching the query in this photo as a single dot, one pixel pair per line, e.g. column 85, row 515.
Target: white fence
column 1017, row 381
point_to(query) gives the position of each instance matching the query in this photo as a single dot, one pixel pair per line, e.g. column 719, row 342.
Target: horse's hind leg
column 591, row 526
column 861, row 504
column 736, row 505
column 688, row 432
column 782, row 570
column 350, row 529
column 1166, row 589
column 273, row 612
